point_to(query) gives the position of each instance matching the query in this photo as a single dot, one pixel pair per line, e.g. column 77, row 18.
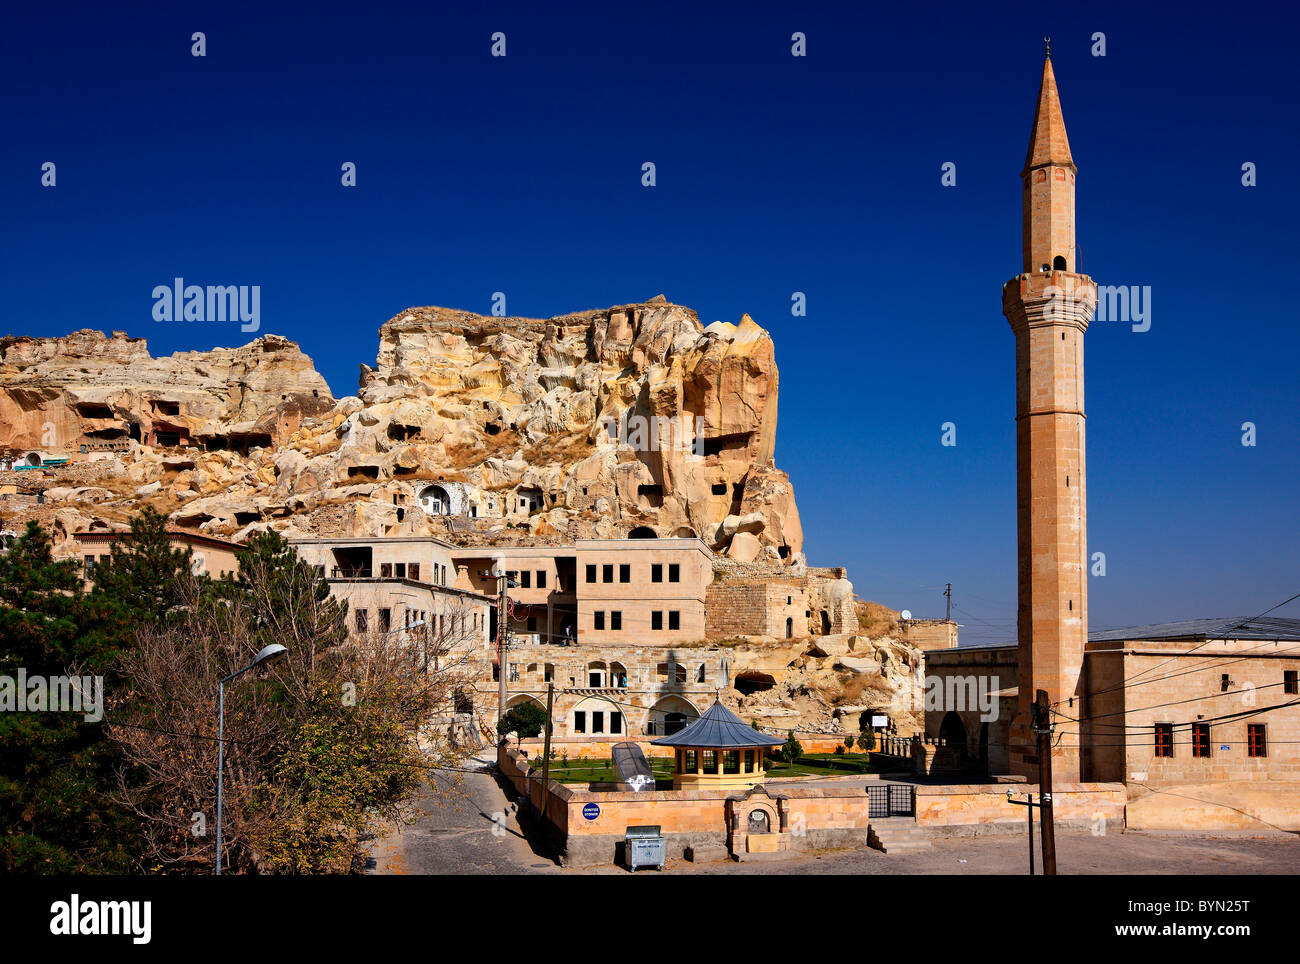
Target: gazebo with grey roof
column 718, row 750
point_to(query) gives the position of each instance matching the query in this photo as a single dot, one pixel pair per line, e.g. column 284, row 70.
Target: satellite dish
column 905, row 615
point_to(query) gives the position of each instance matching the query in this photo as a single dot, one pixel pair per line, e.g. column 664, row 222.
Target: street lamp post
column 266, row 653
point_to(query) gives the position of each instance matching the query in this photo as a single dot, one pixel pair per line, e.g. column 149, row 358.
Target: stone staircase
column 898, row 836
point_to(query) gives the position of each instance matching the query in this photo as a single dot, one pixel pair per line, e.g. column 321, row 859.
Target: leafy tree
column 56, row 768
column 792, row 749
column 867, row 741
column 848, row 741
column 526, row 719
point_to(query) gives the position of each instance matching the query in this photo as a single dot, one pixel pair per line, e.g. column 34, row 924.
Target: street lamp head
column 268, row 653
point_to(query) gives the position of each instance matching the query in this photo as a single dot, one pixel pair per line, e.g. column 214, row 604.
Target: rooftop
column 718, row 728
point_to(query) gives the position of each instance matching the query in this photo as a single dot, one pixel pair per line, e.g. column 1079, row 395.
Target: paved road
column 455, row 835
column 466, row 826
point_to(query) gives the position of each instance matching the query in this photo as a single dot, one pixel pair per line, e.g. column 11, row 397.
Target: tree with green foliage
column 867, row 741
column 848, row 741
column 143, row 571
column 792, row 749
column 57, row 768
column 527, row 719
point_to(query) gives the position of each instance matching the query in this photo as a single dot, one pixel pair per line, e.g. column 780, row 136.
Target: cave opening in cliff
column 737, row 441
column 94, row 410
column 363, row 472
column 753, row 682
column 403, row 433
column 652, row 495
column 170, row 436
column 719, row 488
column 643, row 532
column 242, row 442
column 166, row 408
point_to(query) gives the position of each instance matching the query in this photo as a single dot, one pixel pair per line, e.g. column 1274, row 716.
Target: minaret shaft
column 1049, row 307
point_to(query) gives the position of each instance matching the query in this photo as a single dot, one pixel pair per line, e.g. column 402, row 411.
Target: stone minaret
column 1049, row 306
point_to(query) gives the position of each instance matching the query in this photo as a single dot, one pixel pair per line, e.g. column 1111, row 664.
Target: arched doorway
column 434, row 500
column 670, row 714
column 642, row 532
column 952, row 731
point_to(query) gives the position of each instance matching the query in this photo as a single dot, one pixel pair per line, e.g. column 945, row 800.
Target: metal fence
column 891, row 800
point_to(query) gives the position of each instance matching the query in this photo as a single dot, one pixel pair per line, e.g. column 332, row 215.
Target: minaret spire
column 1048, row 143
column 1048, row 177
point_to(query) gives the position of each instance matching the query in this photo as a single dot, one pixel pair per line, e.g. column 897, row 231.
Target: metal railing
column 890, row 800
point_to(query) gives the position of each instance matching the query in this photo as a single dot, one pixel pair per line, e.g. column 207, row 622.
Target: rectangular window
column 1289, row 681
column 363, row 620
column 1164, row 739
column 579, row 721
column 90, row 564
column 532, row 624
column 385, row 620
column 624, row 573
column 1256, row 741
column 607, row 573
column 689, row 765
column 598, row 619
column 674, row 572
column 749, row 761
column 674, row 619
column 616, row 722
column 598, row 721
column 656, row 620
column 399, row 570
column 414, row 570
column 731, row 761
column 512, row 578
column 591, row 573
column 541, row 578
column 1200, row 739
column 616, row 620
column 657, row 572
column 386, row 570
column 526, row 579
column 593, row 678
column 710, row 761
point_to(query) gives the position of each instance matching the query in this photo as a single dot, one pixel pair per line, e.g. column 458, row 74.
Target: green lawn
column 808, row 765
column 602, row 771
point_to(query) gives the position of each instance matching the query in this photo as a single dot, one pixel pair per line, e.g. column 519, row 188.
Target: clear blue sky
column 775, row 174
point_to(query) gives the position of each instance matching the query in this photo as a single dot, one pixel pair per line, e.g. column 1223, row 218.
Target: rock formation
column 629, row 420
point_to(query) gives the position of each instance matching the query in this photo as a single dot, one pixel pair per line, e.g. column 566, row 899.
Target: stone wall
column 779, row 610
column 983, row 808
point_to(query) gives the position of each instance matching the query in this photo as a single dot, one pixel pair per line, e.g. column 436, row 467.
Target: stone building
column 209, row 556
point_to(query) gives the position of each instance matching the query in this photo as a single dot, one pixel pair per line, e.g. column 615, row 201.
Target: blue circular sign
column 591, row 811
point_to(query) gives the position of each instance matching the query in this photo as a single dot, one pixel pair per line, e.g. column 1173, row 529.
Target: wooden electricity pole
column 503, row 618
column 1043, row 727
column 546, row 748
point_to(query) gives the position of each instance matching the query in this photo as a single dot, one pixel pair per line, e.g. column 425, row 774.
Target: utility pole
column 503, row 618
column 1043, row 727
column 947, row 615
column 546, row 748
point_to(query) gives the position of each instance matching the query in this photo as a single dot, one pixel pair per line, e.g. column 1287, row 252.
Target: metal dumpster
column 644, row 847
